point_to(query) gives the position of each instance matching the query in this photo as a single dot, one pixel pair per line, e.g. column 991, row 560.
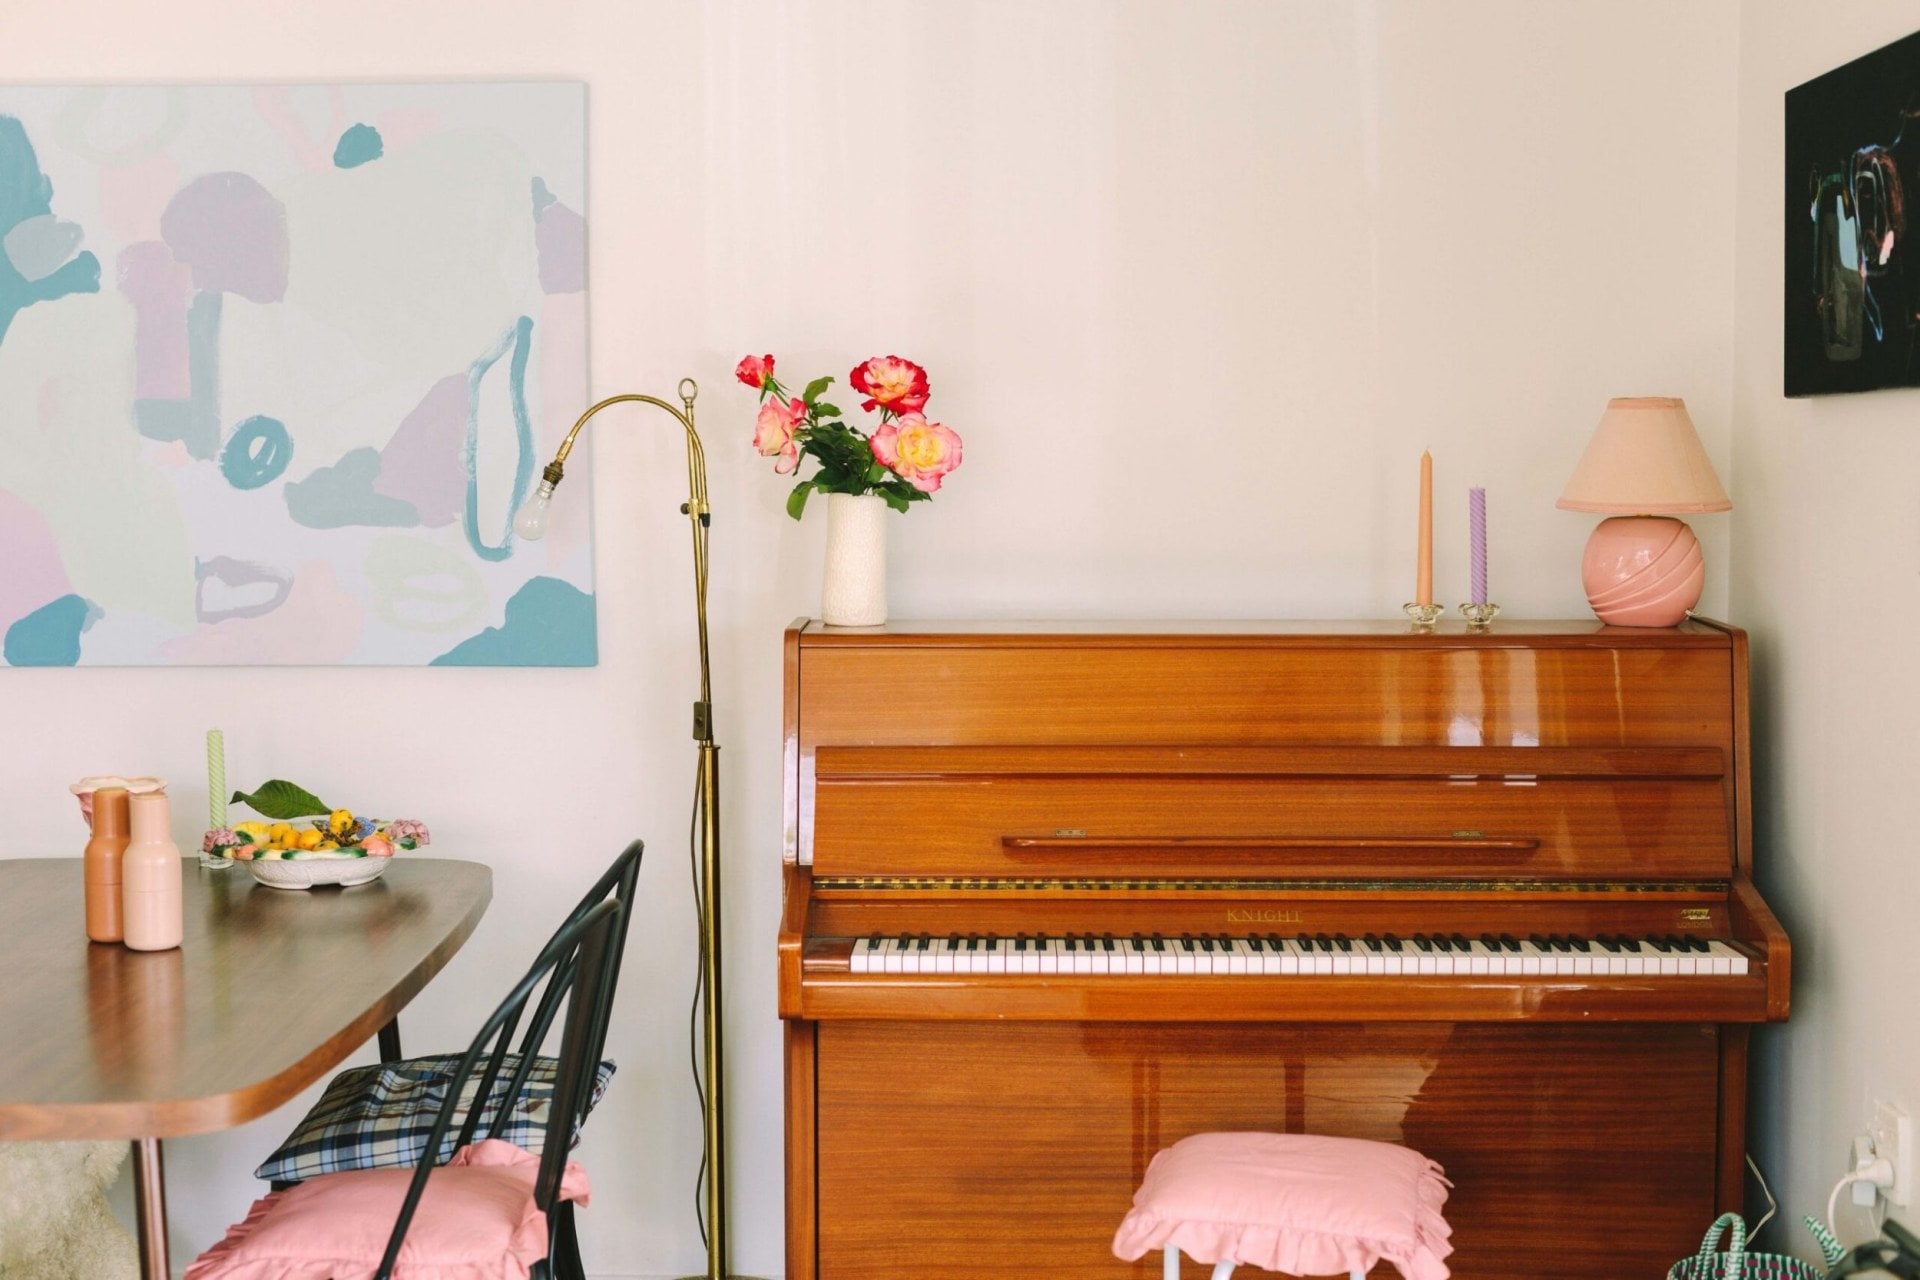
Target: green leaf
column 278, row 798
column 814, row 389
column 893, row 499
column 797, row 500
column 827, row 410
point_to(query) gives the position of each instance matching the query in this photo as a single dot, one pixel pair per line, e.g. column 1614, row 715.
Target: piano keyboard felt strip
column 951, row 884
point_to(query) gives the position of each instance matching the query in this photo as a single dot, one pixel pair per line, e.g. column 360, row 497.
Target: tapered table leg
column 150, row 1209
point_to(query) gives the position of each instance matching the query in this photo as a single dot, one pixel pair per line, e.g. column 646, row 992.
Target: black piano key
column 1326, row 943
column 1342, row 941
column 1159, row 943
column 926, row 940
column 1538, row 940
column 1393, row 943
column 1578, row 943
column 1423, row 942
column 1253, row 941
column 1106, row 941
column 1658, row 944
column 1073, row 943
column 1273, row 941
column 1040, row 942
column 1206, row 943
column 1559, row 943
column 1460, row 942
column 993, row 942
column 1610, row 944
column 1629, row 944
column 1306, row 942
column 1186, row 940
column 1020, row 943
column 1139, row 943
column 973, row 942
column 953, row 942
column 1442, row 943
column 876, row 941
column 1698, row 944
column 1509, row 943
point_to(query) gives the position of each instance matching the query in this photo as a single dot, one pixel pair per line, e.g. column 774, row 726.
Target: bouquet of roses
column 903, row 461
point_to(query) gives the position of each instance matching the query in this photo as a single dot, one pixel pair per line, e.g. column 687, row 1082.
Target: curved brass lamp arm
column 695, row 508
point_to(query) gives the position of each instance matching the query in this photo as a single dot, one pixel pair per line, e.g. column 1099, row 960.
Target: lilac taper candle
column 1477, row 532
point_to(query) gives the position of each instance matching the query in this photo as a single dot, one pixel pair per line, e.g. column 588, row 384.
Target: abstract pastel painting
column 1852, row 269
column 277, row 366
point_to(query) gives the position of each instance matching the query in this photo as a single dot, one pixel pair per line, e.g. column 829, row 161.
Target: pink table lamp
column 1644, row 465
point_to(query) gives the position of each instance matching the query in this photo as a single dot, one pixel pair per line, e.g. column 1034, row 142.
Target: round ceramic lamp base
column 1643, row 571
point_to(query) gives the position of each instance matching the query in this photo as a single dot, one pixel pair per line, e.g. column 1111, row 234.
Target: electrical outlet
column 1893, row 1141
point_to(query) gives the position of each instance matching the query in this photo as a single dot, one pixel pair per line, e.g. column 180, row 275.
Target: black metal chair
column 579, row 965
column 342, row 1152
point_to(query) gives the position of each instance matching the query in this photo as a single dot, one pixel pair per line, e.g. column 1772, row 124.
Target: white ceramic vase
column 854, row 593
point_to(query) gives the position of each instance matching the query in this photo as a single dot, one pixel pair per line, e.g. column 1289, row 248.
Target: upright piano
column 1059, row 895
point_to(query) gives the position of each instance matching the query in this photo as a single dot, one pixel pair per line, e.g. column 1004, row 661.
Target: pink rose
column 754, row 370
column 773, row 432
column 918, row 451
column 891, row 383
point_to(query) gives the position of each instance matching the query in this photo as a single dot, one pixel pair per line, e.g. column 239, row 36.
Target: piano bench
column 1299, row 1203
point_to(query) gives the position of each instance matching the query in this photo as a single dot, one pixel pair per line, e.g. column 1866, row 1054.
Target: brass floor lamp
column 531, row 523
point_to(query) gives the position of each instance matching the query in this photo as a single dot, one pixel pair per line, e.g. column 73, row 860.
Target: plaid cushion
column 378, row 1117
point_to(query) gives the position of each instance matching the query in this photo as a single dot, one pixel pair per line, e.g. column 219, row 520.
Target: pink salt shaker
column 152, row 915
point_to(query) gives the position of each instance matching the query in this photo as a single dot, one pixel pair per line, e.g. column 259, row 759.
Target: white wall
column 1196, row 282
column 1827, row 550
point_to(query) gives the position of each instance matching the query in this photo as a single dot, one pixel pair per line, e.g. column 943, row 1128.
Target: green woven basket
column 1737, row 1264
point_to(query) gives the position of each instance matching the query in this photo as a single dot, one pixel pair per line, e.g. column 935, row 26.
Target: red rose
column 754, row 370
column 888, row 382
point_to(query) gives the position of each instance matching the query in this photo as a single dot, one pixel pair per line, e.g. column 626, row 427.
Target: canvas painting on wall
column 277, row 366
column 1852, row 276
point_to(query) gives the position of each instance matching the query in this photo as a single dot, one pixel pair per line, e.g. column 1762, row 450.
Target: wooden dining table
column 270, row 990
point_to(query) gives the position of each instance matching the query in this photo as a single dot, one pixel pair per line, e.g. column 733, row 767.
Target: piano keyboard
column 1421, row 955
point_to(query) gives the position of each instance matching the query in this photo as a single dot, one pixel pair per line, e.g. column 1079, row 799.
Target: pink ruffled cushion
column 1299, row 1203
column 476, row 1221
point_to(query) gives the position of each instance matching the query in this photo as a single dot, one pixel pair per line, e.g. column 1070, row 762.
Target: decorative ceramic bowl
column 307, row 873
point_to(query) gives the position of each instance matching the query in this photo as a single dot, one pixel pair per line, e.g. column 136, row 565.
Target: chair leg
column 567, row 1263
column 1223, row 1268
column 1170, row 1263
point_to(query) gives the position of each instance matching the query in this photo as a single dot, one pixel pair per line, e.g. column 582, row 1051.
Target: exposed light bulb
column 531, row 522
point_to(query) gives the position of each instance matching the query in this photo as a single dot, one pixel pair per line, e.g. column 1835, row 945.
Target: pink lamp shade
column 1644, row 465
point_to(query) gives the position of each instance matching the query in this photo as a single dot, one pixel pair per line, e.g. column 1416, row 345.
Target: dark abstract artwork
column 1852, row 178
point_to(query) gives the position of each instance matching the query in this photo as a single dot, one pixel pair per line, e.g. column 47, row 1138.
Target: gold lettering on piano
column 1263, row 915
column 1070, row 833
column 1469, row 835
column 1696, row 915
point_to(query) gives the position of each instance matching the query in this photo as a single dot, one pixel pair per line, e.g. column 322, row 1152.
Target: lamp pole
column 531, row 522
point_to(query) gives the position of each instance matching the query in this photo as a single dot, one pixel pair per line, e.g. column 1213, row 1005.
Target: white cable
column 1773, row 1206
column 1833, row 1201
column 1879, row 1172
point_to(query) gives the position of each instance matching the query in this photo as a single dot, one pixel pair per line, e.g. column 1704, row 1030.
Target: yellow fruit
column 309, row 839
column 280, row 833
column 341, row 821
column 252, row 830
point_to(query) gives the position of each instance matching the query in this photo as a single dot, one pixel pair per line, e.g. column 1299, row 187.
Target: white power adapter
column 1872, row 1173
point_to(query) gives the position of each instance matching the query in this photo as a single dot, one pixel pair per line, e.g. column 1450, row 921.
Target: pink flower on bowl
column 377, row 847
column 918, row 451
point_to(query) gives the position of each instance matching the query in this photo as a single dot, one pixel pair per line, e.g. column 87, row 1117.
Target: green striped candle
column 216, row 779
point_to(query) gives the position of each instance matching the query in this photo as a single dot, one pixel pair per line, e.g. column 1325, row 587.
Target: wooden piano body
column 1239, row 782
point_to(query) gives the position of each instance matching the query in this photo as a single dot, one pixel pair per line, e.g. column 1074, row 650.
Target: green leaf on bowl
column 278, row 798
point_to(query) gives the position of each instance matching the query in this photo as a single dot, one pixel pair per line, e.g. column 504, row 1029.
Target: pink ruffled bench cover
column 1298, row 1203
